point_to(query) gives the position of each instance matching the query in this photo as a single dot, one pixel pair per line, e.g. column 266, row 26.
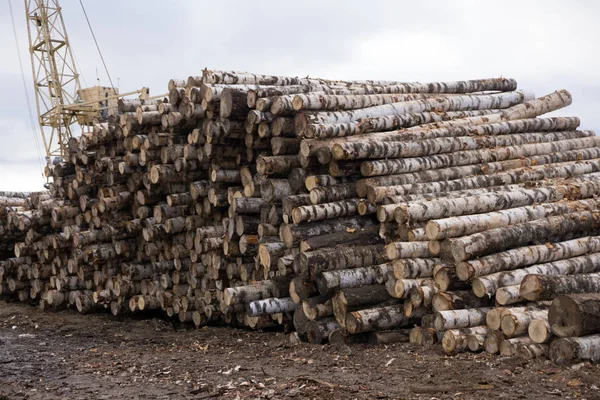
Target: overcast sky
column 545, row 45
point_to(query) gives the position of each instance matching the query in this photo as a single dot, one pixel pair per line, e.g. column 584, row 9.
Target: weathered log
column 318, row 330
column 270, row 306
column 469, row 224
column 330, row 281
column 499, row 239
column 570, row 349
column 456, row 340
column 453, row 319
column 487, row 285
column 575, row 314
column 547, row 287
column 522, row 257
column 457, row 300
column 515, row 323
column 509, row 295
column 360, row 296
column 373, row 319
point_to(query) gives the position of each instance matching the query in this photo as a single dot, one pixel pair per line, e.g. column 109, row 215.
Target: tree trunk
column 451, row 103
column 529, row 351
column 454, row 319
column 499, row 239
column 373, row 319
column 470, row 224
column 360, row 296
column 509, row 295
column 575, row 314
column 547, row 287
column 487, row 285
column 446, row 207
column 456, row 340
column 271, row 306
column 516, row 323
column 396, row 250
column 567, row 350
column 457, row 300
column 524, row 256
column 331, row 281
column 318, row 330
column 313, row 263
column 400, row 288
column 293, row 234
column 412, row 268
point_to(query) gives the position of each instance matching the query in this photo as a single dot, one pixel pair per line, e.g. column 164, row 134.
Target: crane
column 60, row 100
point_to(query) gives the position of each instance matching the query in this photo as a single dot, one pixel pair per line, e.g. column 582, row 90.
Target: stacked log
column 354, row 211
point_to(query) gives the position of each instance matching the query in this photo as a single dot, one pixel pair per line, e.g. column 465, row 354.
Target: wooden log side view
column 457, row 300
column 317, row 307
column 318, row 330
column 353, row 236
column 270, row 306
column 314, row 262
column 360, row 296
column 487, row 285
column 401, row 288
column 247, row 294
column 451, row 103
column 377, row 193
column 412, row 268
column 469, row 224
column 516, row 323
column 509, row 295
column 528, row 109
column 373, row 319
column 524, row 256
column 454, row 319
column 499, row 239
column 575, row 315
column 330, row 281
column 547, row 287
column 323, row 211
column 468, row 157
column 456, row 340
column 292, row 234
column 332, row 102
column 374, row 149
column 385, row 123
column 396, row 250
column 571, row 349
column 438, row 208
column 539, row 331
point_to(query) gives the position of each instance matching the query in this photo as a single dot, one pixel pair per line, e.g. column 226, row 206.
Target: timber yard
column 252, row 235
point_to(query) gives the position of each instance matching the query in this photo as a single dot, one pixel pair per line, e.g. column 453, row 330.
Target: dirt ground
column 65, row 355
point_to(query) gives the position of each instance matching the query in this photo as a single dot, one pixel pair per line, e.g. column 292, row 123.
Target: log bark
column 331, row 281
column 509, row 295
column 499, row 239
column 547, row 287
column 516, row 323
column 313, row 263
column 487, row 285
column 575, row 315
column 524, row 256
column 454, row 319
column 373, row 319
column 457, row 300
column 318, row 330
column 469, row 224
column 271, row 306
column 567, row 350
column 456, row 340
column 412, row 268
column 348, row 298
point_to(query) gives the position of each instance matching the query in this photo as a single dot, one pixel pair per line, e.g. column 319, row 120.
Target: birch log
column 487, row 285
column 524, row 256
column 379, row 318
column 547, row 287
column 454, row 319
column 469, row 224
column 568, row 350
column 499, row 239
column 575, row 315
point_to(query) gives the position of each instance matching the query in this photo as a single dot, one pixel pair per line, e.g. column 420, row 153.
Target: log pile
column 363, row 211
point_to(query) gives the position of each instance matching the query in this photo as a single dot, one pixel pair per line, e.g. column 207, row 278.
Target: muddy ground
column 65, row 355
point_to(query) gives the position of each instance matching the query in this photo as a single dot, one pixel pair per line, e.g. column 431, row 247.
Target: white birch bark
column 498, row 239
column 468, row 224
column 454, row 319
column 529, row 255
column 487, row 285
